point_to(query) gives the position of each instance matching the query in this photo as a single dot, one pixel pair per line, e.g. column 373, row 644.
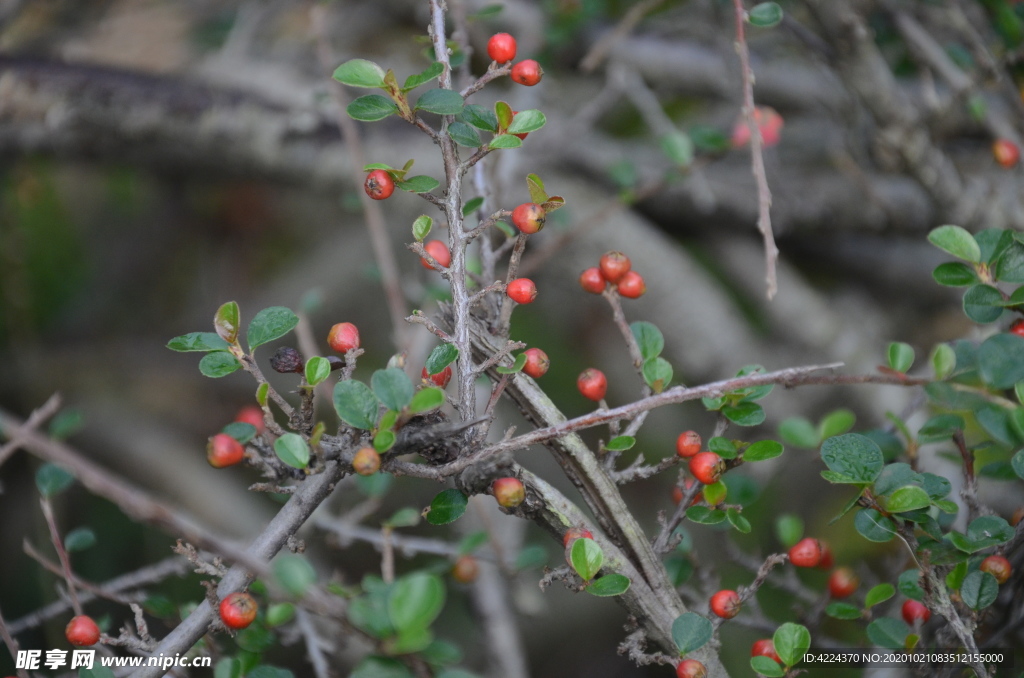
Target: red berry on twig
column 614, row 266
column 501, row 47
column 726, row 604
column 707, row 467
column 223, row 450
column 82, row 631
column 632, row 285
column 439, row 251
column 842, row 582
column 688, row 444
column 691, row 668
column 592, row 384
column 805, row 553
column 509, row 492
column 592, row 281
column 528, row 217
column 527, row 72
column 914, row 613
column 238, row 610
column 537, row 363
column 521, row 290
column 440, row 379
column 343, row 337
column 379, row 185
column 366, row 461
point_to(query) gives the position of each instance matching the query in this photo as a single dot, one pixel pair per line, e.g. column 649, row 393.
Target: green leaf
column 737, row 520
column 371, row 108
column 218, row 364
column 447, row 507
column 789, row 528
column 392, row 387
column 404, row 517
column 893, row 477
column 658, row 374
column 503, row 114
column 421, row 227
column 228, row 667
column 440, row 101
column 517, row 366
column 355, row 404
column 261, row 394
column 901, row 356
column 441, row 357
column 472, row 542
column 791, row 642
column 954, row 579
column 979, row 590
column 317, row 369
column 360, row 73
column 854, row 456
column 472, row 206
column 620, row 443
column 384, row 441
column 609, row 585
column 989, row 531
column 294, row 574
column 526, row 121
column 690, row 631
column 879, row 594
column 535, row 187
column 413, row 81
column 1010, row 266
column 873, row 526
column 649, row 338
column 531, row 557
column 942, row 426
column 226, row 322
column 799, row 432
column 678, row 147
column 983, row 304
column 955, row 274
column 79, row 539
column 586, row 557
column 762, row 450
column 426, row 399
column 464, row 135
column 1018, row 464
column 765, row 15
column 888, row 633
column 51, row 480
column 704, row 515
column 838, row 610
column 270, row 324
column 257, row 638
column 292, row 450
column 723, row 447
column 715, row 493
column 197, row 341
column 943, row 360
column 744, row 414
column 240, row 431
column 505, row 141
column 380, row 667
column 766, row 666
column 1001, row 360
column 956, row 241
column 909, row 584
column 415, row 600
column 480, row 117
column 909, row 498
column 376, row 485
column 836, row 422
column 418, row 184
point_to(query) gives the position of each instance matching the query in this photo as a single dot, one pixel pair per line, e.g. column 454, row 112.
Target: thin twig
column 62, row 554
column 12, row 644
column 764, row 196
column 38, row 416
column 599, row 52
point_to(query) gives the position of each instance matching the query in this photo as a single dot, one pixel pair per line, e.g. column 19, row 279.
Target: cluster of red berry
column 614, row 269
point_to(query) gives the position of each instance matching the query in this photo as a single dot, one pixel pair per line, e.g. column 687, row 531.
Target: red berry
column 677, row 493
column 379, row 185
column 726, row 604
column 842, row 582
column 707, row 467
column 765, row 648
column 439, row 251
column 537, row 363
column 521, row 290
column 366, row 461
column 252, row 414
column 632, row 285
column 223, row 450
column 524, row 134
column 1018, row 328
column 592, row 384
column 82, row 631
column 688, row 444
column 574, row 533
column 465, row 569
column 1006, row 152
column 440, row 379
column 768, row 121
column 997, row 566
column 238, row 610
column 805, row 553
column 343, row 337
column 509, row 492
column 592, row 281
column 501, row 47
column 914, row 612
column 691, row 668
column 827, row 559
column 527, row 72
column 528, row 217
column 614, row 265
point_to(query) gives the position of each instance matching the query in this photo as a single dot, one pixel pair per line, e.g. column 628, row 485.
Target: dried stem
column 764, row 196
column 62, row 554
